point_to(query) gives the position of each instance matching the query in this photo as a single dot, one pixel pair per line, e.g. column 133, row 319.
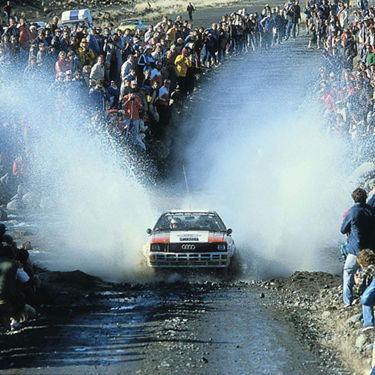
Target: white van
column 72, row 17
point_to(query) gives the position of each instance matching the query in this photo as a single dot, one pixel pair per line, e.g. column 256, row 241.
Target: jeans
column 368, row 301
column 368, row 316
column 290, row 27
column 350, row 268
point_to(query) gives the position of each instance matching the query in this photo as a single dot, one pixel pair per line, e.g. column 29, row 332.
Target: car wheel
column 234, row 269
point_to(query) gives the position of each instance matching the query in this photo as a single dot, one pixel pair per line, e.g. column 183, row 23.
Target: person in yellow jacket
column 85, row 54
column 183, row 63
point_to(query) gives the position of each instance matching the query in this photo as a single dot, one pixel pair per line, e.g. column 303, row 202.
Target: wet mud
column 211, row 327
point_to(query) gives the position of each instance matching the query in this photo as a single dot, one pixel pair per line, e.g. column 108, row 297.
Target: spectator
column 132, row 106
column 366, row 260
column 113, row 94
column 182, row 63
column 62, row 64
column 7, row 9
column 358, row 226
column 190, row 9
column 97, row 71
column 85, row 54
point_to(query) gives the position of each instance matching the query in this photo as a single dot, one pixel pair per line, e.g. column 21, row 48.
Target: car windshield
column 190, row 221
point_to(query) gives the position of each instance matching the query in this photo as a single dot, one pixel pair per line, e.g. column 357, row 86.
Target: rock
column 361, row 341
column 325, row 314
column 261, row 295
column 354, row 319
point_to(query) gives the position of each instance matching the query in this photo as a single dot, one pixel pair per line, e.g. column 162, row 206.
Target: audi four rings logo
column 188, row 247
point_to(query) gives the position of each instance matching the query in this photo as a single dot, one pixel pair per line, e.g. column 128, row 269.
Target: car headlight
column 155, row 247
column 221, row 247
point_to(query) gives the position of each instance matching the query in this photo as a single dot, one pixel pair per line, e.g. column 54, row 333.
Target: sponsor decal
column 180, row 236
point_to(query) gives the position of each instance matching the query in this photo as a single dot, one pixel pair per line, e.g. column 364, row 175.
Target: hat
column 184, row 51
column 180, row 41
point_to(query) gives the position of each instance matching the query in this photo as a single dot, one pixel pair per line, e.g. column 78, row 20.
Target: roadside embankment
column 311, row 302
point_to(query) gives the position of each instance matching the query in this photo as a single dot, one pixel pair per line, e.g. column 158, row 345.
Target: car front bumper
column 188, row 260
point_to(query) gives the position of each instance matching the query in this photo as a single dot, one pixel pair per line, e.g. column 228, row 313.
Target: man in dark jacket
column 292, row 21
column 350, row 50
column 358, row 224
column 5, row 239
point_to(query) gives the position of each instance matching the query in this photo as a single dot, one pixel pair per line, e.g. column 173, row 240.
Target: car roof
column 190, row 211
column 131, row 20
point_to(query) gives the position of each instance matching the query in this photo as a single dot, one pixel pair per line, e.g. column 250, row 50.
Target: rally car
column 131, row 24
column 189, row 239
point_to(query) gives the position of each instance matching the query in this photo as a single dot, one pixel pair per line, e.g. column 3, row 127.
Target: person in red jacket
column 18, row 167
column 62, row 65
column 25, row 35
column 132, row 106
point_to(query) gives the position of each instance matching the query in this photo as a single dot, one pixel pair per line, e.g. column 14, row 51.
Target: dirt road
column 181, row 328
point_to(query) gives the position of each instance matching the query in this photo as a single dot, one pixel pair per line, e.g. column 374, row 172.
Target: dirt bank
column 311, row 302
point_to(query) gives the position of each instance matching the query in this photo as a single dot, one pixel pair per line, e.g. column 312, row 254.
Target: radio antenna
column 186, row 181
column 186, row 184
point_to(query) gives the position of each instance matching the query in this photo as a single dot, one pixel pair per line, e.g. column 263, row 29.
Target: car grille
column 189, row 260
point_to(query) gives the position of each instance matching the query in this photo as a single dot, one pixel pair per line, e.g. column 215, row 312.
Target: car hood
column 187, row 236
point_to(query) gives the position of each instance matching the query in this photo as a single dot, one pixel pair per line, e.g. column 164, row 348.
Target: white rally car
column 189, row 239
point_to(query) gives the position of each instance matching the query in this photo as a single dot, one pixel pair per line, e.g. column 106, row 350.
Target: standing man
column 358, row 225
column 292, row 21
column 182, row 63
column 190, row 9
column 7, row 10
column 132, row 105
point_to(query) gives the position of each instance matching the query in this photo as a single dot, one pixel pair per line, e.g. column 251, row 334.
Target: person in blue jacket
column 359, row 226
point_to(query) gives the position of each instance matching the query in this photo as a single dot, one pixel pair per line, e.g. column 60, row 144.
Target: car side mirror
column 229, row 231
column 148, row 231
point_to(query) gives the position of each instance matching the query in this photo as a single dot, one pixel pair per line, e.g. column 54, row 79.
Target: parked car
column 189, row 239
column 72, row 17
column 131, row 24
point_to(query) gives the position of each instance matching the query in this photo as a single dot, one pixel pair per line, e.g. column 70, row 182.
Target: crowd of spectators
column 347, row 73
column 131, row 78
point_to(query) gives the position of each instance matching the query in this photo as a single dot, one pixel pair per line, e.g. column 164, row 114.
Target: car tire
column 234, row 268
